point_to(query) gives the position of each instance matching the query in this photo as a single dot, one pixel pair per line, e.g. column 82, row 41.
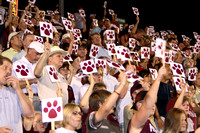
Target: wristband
column 117, row 93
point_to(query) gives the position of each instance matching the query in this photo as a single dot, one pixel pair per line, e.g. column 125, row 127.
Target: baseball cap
column 56, row 49
column 139, row 97
column 66, row 35
column 39, row 47
column 10, row 36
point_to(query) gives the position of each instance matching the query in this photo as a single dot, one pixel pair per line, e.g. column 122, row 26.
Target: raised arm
column 84, row 104
column 111, row 100
column 140, row 117
column 179, row 101
column 42, row 62
column 71, row 44
column 133, row 31
column 9, row 20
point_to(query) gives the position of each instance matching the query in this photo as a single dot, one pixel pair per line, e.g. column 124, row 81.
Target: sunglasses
column 76, row 113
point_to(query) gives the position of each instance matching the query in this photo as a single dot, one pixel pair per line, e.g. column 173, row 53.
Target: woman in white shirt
column 71, row 119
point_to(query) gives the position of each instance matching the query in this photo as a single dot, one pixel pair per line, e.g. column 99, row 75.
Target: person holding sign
column 13, row 102
column 34, row 51
column 54, row 57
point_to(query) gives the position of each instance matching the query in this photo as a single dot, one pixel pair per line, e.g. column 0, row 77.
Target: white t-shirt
column 63, row 130
column 31, row 68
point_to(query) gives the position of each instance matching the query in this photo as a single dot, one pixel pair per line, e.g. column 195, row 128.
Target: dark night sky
column 181, row 17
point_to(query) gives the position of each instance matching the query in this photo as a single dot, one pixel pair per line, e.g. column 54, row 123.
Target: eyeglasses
column 38, row 121
column 97, row 74
column 76, row 113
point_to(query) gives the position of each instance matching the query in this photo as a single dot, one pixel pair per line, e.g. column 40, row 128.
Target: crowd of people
column 104, row 101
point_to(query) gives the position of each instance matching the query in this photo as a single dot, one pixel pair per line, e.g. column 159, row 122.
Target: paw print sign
column 78, row 32
column 172, row 55
column 39, row 39
column 52, row 109
column 110, row 34
column 135, row 11
column 174, row 46
column 153, row 46
column 154, row 73
column 177, row 82
column 76, row 37
column 21, row 71
column 177, row 69
column 70, row 16
column 160, row 47
column 28, row 22
column 88, row 67
column 82, row 13
column 101, row 63
column 167, row 57
column 136, row 56
column 111, row 49
column 46, row 30
column 67, row 24
column 53, row 74
column 125, row 53
column 115, row 65
column 145, row 52
column 192, row 73
column 132, row 42
column 27, row 32
column 94, row 51
column 32, row 1
column 67, row 58
column 10, row 0
column 111, row 12
column 74, row 49
column 131, row 77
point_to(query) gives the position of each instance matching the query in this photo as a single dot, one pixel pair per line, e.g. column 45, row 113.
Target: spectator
column 34, row 51
column 71, row 119
column 27, row 39
column 15, row 41
column 101, row 103
column 14, row 103
column 51, row 56
column 175, row 121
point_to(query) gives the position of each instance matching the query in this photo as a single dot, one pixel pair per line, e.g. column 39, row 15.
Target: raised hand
column 14, row 82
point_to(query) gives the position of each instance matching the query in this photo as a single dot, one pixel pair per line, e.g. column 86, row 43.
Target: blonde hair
column 67, row 112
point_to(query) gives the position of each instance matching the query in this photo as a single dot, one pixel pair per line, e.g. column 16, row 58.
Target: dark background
column 182, row 17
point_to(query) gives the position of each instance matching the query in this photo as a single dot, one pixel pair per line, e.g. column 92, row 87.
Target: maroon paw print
column 130, row 75
column 110, row 34
column 175, row 46
column 145, row 52
column 53, row 73
column 100, row 63
column 67, row 57
column 192, row 73
column 125, row 53
column 68, row 24
column 88, row 66
column 136, row 56
column 167, row 55
column 74, row 49
column 177, row 68
column 46, row 29
column 94, row 51
column 112, row 49
column 22, row 70
column 178, row 81
column 52, row 113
